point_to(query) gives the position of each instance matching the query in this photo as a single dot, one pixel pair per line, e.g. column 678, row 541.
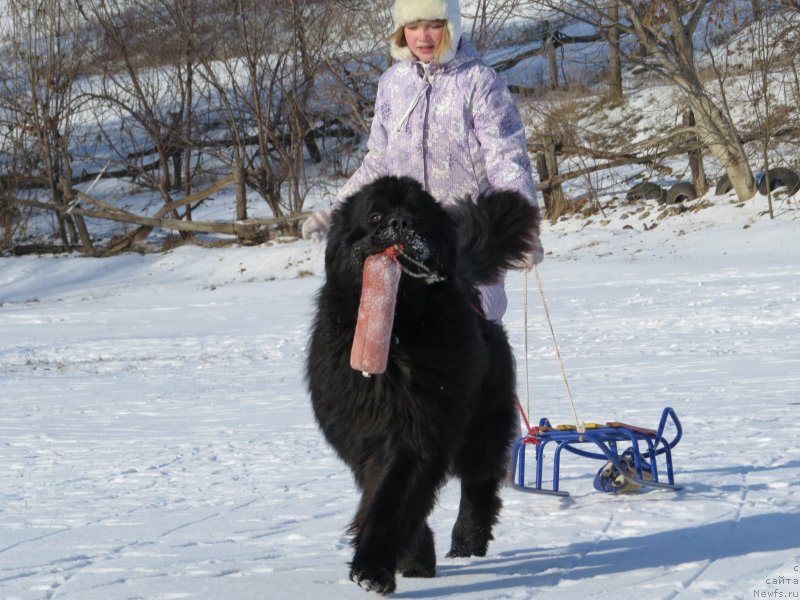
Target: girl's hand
column 316, row 226
column 534, row 258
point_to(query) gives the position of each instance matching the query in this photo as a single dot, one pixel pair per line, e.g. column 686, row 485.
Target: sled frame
column 605, row 440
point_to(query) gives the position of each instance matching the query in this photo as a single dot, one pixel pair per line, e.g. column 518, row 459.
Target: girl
column 445, row 118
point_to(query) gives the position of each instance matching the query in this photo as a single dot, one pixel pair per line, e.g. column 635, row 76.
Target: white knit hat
column 408, row 11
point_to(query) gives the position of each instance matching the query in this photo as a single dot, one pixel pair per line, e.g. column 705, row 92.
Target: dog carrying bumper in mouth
column 449, row 372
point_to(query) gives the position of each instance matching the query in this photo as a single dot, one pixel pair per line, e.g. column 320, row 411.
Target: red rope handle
column 532, row 437
column 393, row 251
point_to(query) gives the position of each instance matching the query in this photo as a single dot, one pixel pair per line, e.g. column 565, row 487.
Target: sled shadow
column 529, row 568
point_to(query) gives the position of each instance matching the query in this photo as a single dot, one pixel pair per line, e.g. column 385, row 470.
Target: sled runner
column 624, row 471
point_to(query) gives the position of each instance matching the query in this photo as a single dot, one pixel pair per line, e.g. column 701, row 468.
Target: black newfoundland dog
column 445, row 404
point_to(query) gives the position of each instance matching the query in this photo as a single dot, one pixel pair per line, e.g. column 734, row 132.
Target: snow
column 156, row 437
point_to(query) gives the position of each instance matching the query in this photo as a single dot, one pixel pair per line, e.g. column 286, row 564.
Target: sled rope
column 424, row 272
column 581, row 427
column 525, row 338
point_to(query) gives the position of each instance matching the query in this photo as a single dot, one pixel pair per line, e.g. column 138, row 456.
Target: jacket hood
column 408, row 11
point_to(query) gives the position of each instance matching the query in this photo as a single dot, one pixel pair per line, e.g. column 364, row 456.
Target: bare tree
column 146, row 91
column 488, row 19
column 37, row 81
column 279, row 84
column 346, row 91
column 792, row 46
column 760, row 62
column 245, row 79
column 665, row 29
column 762, row 96
column 184, row 15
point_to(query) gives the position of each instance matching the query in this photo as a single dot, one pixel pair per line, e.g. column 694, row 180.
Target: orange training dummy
column 373, row 336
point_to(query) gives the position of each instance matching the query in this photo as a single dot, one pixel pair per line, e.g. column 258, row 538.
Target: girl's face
column 423, row 37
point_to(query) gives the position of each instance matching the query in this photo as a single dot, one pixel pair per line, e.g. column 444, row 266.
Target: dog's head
column 391, row 211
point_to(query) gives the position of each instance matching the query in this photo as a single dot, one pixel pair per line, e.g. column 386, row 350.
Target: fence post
column 555, row 202
column 541, row 168
column 65, row 189
column 238, row 182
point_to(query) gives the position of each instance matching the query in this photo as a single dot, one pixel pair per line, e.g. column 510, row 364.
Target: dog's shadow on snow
column 545, row 567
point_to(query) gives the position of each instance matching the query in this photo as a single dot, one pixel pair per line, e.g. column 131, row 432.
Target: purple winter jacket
column 455, row 129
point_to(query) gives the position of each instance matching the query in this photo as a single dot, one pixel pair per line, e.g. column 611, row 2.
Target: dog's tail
column 496, row 232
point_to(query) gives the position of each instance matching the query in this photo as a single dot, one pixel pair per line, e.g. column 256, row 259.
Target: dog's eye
column 375, row 218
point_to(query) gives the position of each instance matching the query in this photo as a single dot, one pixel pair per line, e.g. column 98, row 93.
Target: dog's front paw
column 469, row 539
column 465, row 548
column 418, row 571
column 373, row 578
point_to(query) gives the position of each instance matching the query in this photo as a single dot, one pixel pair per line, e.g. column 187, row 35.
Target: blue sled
column 605, row 439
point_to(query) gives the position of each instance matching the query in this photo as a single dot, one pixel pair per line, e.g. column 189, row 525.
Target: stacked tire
column 682, row 191
column 778, row 177
column 723, row 186
column 646, row 190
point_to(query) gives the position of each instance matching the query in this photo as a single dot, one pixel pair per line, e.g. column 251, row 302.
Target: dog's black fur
column 445, row 404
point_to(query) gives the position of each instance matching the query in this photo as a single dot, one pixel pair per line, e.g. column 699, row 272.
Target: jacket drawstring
column 424, row 83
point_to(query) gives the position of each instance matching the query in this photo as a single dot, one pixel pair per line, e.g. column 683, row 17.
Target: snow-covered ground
column 156, row 438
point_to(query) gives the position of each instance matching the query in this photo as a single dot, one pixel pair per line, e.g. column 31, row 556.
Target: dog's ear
column 334, row 237
column 494, row 232
column 349, row 227
column 338, row 224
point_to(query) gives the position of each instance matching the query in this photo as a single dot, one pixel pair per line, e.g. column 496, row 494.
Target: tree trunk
column 241, row 197
column 696, row 160
column 614, row 62
column 552, row 61
column 718, row 134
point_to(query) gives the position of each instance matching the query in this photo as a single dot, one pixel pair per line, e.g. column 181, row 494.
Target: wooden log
column 121, row 216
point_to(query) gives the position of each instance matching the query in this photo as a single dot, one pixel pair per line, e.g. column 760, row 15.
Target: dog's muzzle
column 400, row 229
